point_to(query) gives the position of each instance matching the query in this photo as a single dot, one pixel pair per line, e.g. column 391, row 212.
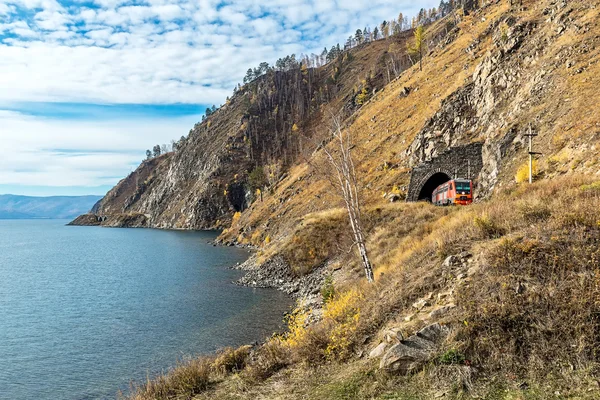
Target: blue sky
column 86, row 86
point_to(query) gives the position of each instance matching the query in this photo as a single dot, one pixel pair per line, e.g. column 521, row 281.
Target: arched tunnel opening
column 433, row 182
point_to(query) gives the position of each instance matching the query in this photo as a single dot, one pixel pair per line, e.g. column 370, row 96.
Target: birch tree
column 345, row 181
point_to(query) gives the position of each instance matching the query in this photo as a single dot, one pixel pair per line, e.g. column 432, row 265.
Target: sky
column 86, row 86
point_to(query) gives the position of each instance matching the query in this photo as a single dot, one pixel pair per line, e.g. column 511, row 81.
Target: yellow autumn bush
column 523, row 172
column 342, row 314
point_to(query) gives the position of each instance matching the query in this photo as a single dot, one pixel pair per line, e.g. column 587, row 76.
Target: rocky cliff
column 272, row 122
column 489, row 77
column 496, row 300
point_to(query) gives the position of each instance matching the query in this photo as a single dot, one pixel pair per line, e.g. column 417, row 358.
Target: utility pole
column 532, row 153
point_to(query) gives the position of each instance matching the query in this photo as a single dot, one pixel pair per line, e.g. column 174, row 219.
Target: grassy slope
column 525, row 310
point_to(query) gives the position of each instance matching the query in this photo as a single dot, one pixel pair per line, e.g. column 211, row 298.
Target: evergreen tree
column 249, row 76
column 156, row 150
column 358, row 36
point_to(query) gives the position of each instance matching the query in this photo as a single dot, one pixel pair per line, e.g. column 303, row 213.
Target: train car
column 456, row 191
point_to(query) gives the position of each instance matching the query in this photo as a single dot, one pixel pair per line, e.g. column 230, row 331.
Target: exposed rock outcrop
column 410, row 354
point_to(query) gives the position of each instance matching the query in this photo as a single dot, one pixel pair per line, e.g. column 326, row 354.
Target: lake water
column 84, row 310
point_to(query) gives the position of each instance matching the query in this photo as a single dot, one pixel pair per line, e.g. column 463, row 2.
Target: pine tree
column 358, row 36
column 249, row 76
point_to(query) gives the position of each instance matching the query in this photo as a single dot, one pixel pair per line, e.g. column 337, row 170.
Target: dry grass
column 269, row 359
column 183, row 382
column 545, row 237
column 230, row 360
column 531, row 312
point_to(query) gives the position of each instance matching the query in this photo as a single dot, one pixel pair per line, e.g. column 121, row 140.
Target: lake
column 85, row 310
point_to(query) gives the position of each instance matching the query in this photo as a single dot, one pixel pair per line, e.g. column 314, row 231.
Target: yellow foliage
column 343, row 313
column 268, row 239
column 362, row 97
column 523, row 172
column 236, row 218
column 297, row 327
column 294, row 128
column 256, row 236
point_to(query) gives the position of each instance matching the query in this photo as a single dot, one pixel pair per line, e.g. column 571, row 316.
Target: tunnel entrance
column 430, row 184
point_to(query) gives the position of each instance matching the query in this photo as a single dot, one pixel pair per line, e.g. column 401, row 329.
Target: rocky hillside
column 494, row 301
column 270, row 124
column 490, row 79
column 501, row 72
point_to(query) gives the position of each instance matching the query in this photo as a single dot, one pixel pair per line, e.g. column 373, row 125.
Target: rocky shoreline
column 276, row 273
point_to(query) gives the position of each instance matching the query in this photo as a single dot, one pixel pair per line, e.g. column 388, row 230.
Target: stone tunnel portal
column 429, row 186
column 456, row 162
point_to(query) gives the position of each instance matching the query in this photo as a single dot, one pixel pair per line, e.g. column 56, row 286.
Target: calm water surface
column 84, row 310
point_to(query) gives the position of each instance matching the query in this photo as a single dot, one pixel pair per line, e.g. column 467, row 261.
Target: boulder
column 393, row 335
column 449, row 261
column 411, row 354
column 378, row 351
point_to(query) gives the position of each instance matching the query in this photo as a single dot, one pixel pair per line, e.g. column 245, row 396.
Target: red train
column 456, row 191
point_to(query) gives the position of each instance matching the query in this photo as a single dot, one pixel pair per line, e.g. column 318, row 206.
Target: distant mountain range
column 54, row 207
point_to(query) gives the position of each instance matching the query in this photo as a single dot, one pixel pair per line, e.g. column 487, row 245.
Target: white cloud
column 151, row 52
column 51, row 152
column 160, row 51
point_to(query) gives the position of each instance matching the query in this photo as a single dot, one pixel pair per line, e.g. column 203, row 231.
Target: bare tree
column 346, row 182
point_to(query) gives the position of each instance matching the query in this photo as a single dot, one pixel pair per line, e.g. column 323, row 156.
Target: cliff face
column 488, row 77
column 270, row 124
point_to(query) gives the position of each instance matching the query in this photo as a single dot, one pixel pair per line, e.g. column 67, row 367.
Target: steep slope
column 509, row 286
column 271, row 122
column 498, row 73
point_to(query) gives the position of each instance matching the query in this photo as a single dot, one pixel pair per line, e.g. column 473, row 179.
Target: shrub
column 328, row 289
column 362, row 97
column 523, row 172
column 307, row 342
column 231, row 360
column 183, row 382
column 535, row 212
column 268, row 359
column 315, row 240
column 591, row 188
column 452, row 357
column 488, row 227
column 342, row 313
